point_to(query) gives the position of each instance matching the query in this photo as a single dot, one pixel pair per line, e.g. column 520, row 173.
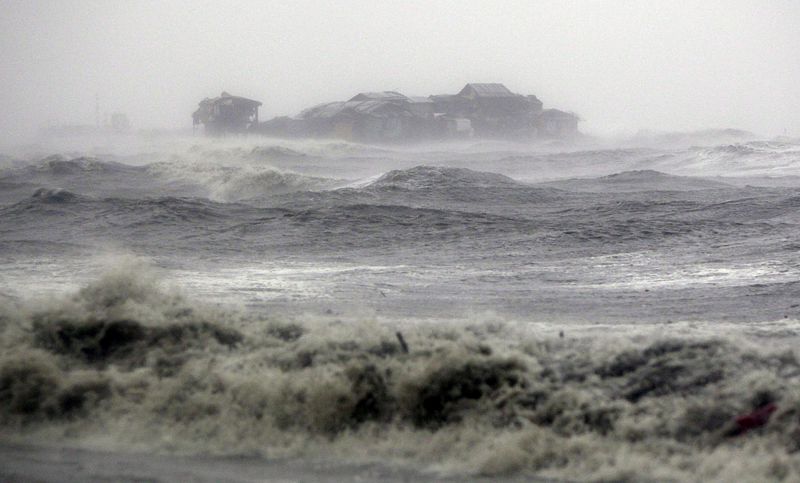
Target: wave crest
column 237, row 183
column 60, row 165
column 54, row 196
column 436, row 177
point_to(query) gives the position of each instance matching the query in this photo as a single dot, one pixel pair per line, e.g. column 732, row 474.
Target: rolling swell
column 58, row 167
column 42, row 208
column 639, row 180
column 184, row 208
column 167, row 223
column 455, row 189
column 369, row 217
column 84, row 175
column 493, row 395
column 181, row 176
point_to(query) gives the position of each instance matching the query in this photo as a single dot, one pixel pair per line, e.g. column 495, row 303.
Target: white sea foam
column 128, row 361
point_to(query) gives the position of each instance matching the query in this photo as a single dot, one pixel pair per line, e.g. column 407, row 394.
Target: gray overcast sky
column 621, row 65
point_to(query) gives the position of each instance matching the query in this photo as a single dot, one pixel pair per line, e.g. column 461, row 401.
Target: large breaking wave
column 129, row 360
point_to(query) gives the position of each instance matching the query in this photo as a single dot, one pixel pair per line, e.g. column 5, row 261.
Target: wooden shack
column 226, row 114
column 497, row 112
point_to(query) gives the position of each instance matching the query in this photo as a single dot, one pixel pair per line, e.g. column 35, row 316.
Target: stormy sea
column 251, row 309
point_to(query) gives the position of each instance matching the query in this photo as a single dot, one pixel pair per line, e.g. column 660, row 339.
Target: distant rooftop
column 486, row 90
column 227, row 97
column 380, row 96
column 370, row 107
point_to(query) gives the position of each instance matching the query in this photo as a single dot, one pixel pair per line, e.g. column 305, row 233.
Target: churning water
column 570, row 313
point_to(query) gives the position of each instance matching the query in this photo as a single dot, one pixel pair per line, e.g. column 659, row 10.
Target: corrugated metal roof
column 377, row 108
column 225, row 97
column 489, row 90
column 379, row 96
column 370, row 108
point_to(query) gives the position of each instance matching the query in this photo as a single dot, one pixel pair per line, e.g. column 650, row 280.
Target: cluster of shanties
column 478, row 110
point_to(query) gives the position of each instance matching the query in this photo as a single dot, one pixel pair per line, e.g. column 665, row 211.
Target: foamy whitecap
column 131, row 359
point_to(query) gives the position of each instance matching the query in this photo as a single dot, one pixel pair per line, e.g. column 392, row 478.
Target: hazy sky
column 621, row 65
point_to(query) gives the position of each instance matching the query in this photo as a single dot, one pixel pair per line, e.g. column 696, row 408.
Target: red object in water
column 755, row 419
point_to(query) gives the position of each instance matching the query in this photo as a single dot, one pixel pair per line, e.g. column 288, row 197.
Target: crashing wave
column 143, row 365
column 237, row 183
column 242, row 186
column 436, row 177
column 766, row 158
